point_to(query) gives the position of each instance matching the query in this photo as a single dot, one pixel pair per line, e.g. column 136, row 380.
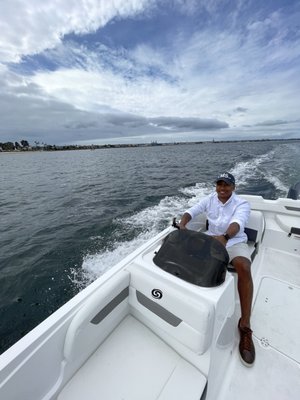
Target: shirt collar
column 228, row 201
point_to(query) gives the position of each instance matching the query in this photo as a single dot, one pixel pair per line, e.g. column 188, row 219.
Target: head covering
column 226, row 177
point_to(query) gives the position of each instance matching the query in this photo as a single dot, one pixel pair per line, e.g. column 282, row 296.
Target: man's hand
column 221, row 239
column 184, row 220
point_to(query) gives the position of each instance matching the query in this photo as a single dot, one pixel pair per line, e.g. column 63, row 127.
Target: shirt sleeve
column 241, row 215
column 198, row 208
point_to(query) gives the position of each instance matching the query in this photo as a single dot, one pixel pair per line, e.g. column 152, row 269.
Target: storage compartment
column 164, row 304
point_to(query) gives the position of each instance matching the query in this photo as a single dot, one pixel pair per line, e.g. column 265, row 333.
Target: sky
column 138, row 71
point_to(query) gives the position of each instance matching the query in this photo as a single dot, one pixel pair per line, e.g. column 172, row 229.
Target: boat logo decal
column 157, row 294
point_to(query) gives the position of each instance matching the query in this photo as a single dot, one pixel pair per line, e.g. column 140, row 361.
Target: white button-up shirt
column 220, row 215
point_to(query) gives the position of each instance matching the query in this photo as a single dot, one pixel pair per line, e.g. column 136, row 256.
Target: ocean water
column 67, row 217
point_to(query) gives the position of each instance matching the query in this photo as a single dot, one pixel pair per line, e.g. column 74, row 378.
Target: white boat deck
column 276, row 326
column 274, row 376
column 134, row 364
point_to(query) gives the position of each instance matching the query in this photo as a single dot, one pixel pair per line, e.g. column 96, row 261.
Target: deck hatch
column 274, row 316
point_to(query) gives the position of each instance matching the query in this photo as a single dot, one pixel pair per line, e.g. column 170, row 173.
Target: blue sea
column 67, row 217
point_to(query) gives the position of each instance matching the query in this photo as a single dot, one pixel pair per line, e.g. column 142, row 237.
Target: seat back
column 255, row 226
column 102, row 312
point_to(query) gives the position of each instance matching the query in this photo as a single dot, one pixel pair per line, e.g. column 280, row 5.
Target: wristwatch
column 226, row 236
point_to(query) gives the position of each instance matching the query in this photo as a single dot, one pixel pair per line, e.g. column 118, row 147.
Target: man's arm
column 192, row 212
column 231, row 231
column 239, row 220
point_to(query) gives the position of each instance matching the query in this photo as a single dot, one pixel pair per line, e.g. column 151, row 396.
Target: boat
column 142, row 332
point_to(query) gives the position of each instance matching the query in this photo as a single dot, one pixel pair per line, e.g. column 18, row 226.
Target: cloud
column 81, row 125
column 126, row 120
column 215, row 69
column 240, row 109
column 273, row 123
column 39, row 113
column 193, row 124
column 44, row 24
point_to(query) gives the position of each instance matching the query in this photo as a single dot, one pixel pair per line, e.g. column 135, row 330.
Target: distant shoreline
column 50, row 148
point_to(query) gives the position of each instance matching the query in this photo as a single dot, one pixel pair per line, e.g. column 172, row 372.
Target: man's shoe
column 246, row 346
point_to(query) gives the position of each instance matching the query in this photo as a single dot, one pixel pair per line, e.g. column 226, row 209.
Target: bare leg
column 245, row 288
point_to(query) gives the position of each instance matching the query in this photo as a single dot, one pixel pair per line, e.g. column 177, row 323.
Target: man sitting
column 227, row 215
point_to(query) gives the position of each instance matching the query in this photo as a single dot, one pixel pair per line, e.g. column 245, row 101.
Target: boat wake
column 246, row 170
column 148, row 223
column 152, row 220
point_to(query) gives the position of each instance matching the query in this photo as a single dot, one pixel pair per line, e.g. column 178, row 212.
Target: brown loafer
column 246, row 346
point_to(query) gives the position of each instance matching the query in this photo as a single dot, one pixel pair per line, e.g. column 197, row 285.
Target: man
column 227, row 216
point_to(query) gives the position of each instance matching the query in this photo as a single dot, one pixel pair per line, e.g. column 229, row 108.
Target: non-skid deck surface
column 134, row 364
column 276, row 321
column 282, row 265
column 273, row 376
column 276, row 373
column 276, row 325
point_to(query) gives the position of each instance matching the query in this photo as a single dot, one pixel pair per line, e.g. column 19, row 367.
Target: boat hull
column 140, row 332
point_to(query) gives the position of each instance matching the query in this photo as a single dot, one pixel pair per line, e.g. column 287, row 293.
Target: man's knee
column 242, row 265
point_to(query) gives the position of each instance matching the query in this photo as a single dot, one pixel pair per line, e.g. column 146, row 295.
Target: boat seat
column 255, row 230
column 133, row 364
column 95, row 321
column 110, row 354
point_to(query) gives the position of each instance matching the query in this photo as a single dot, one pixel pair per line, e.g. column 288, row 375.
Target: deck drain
column 264, row 342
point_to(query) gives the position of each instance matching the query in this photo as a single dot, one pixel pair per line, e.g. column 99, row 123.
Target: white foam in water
column 152, row 220
column 277, row 183
column 198, row 191
column 95, row 265
column 248, row 169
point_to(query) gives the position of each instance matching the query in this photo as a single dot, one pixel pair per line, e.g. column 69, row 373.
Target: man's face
column 224, row 190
